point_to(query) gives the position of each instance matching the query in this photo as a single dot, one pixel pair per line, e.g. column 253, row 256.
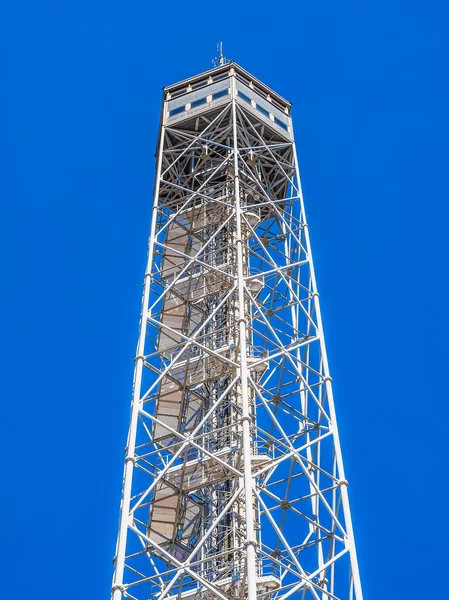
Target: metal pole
column 117, row 584
column 350, row 540
column 246, row 418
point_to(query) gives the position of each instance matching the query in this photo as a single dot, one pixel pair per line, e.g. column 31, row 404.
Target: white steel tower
column 233, row 485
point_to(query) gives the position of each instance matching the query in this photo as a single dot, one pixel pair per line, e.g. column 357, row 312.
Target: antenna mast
column 221, row 60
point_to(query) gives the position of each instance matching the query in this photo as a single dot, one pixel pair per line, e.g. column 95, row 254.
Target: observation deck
column 217, row 87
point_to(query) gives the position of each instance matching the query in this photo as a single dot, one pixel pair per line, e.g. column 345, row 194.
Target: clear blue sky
column 81, row 90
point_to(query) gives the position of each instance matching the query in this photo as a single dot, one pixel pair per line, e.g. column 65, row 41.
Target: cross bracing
column 234, row 484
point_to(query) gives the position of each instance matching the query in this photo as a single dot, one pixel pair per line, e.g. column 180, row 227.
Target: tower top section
column 230, row 67
column 218, row 86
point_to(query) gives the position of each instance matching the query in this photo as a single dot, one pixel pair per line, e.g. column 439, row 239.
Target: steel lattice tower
column 234, row 485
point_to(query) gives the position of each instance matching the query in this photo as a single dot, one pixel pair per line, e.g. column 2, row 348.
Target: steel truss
column 233, row 484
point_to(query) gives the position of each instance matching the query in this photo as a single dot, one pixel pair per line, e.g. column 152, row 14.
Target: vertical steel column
column 350, row 541
column 246, row 418
column 117, row 581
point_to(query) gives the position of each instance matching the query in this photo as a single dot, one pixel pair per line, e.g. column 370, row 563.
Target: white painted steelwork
column 233, row 484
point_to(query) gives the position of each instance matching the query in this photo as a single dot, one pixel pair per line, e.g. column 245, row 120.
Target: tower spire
column 220, row 60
